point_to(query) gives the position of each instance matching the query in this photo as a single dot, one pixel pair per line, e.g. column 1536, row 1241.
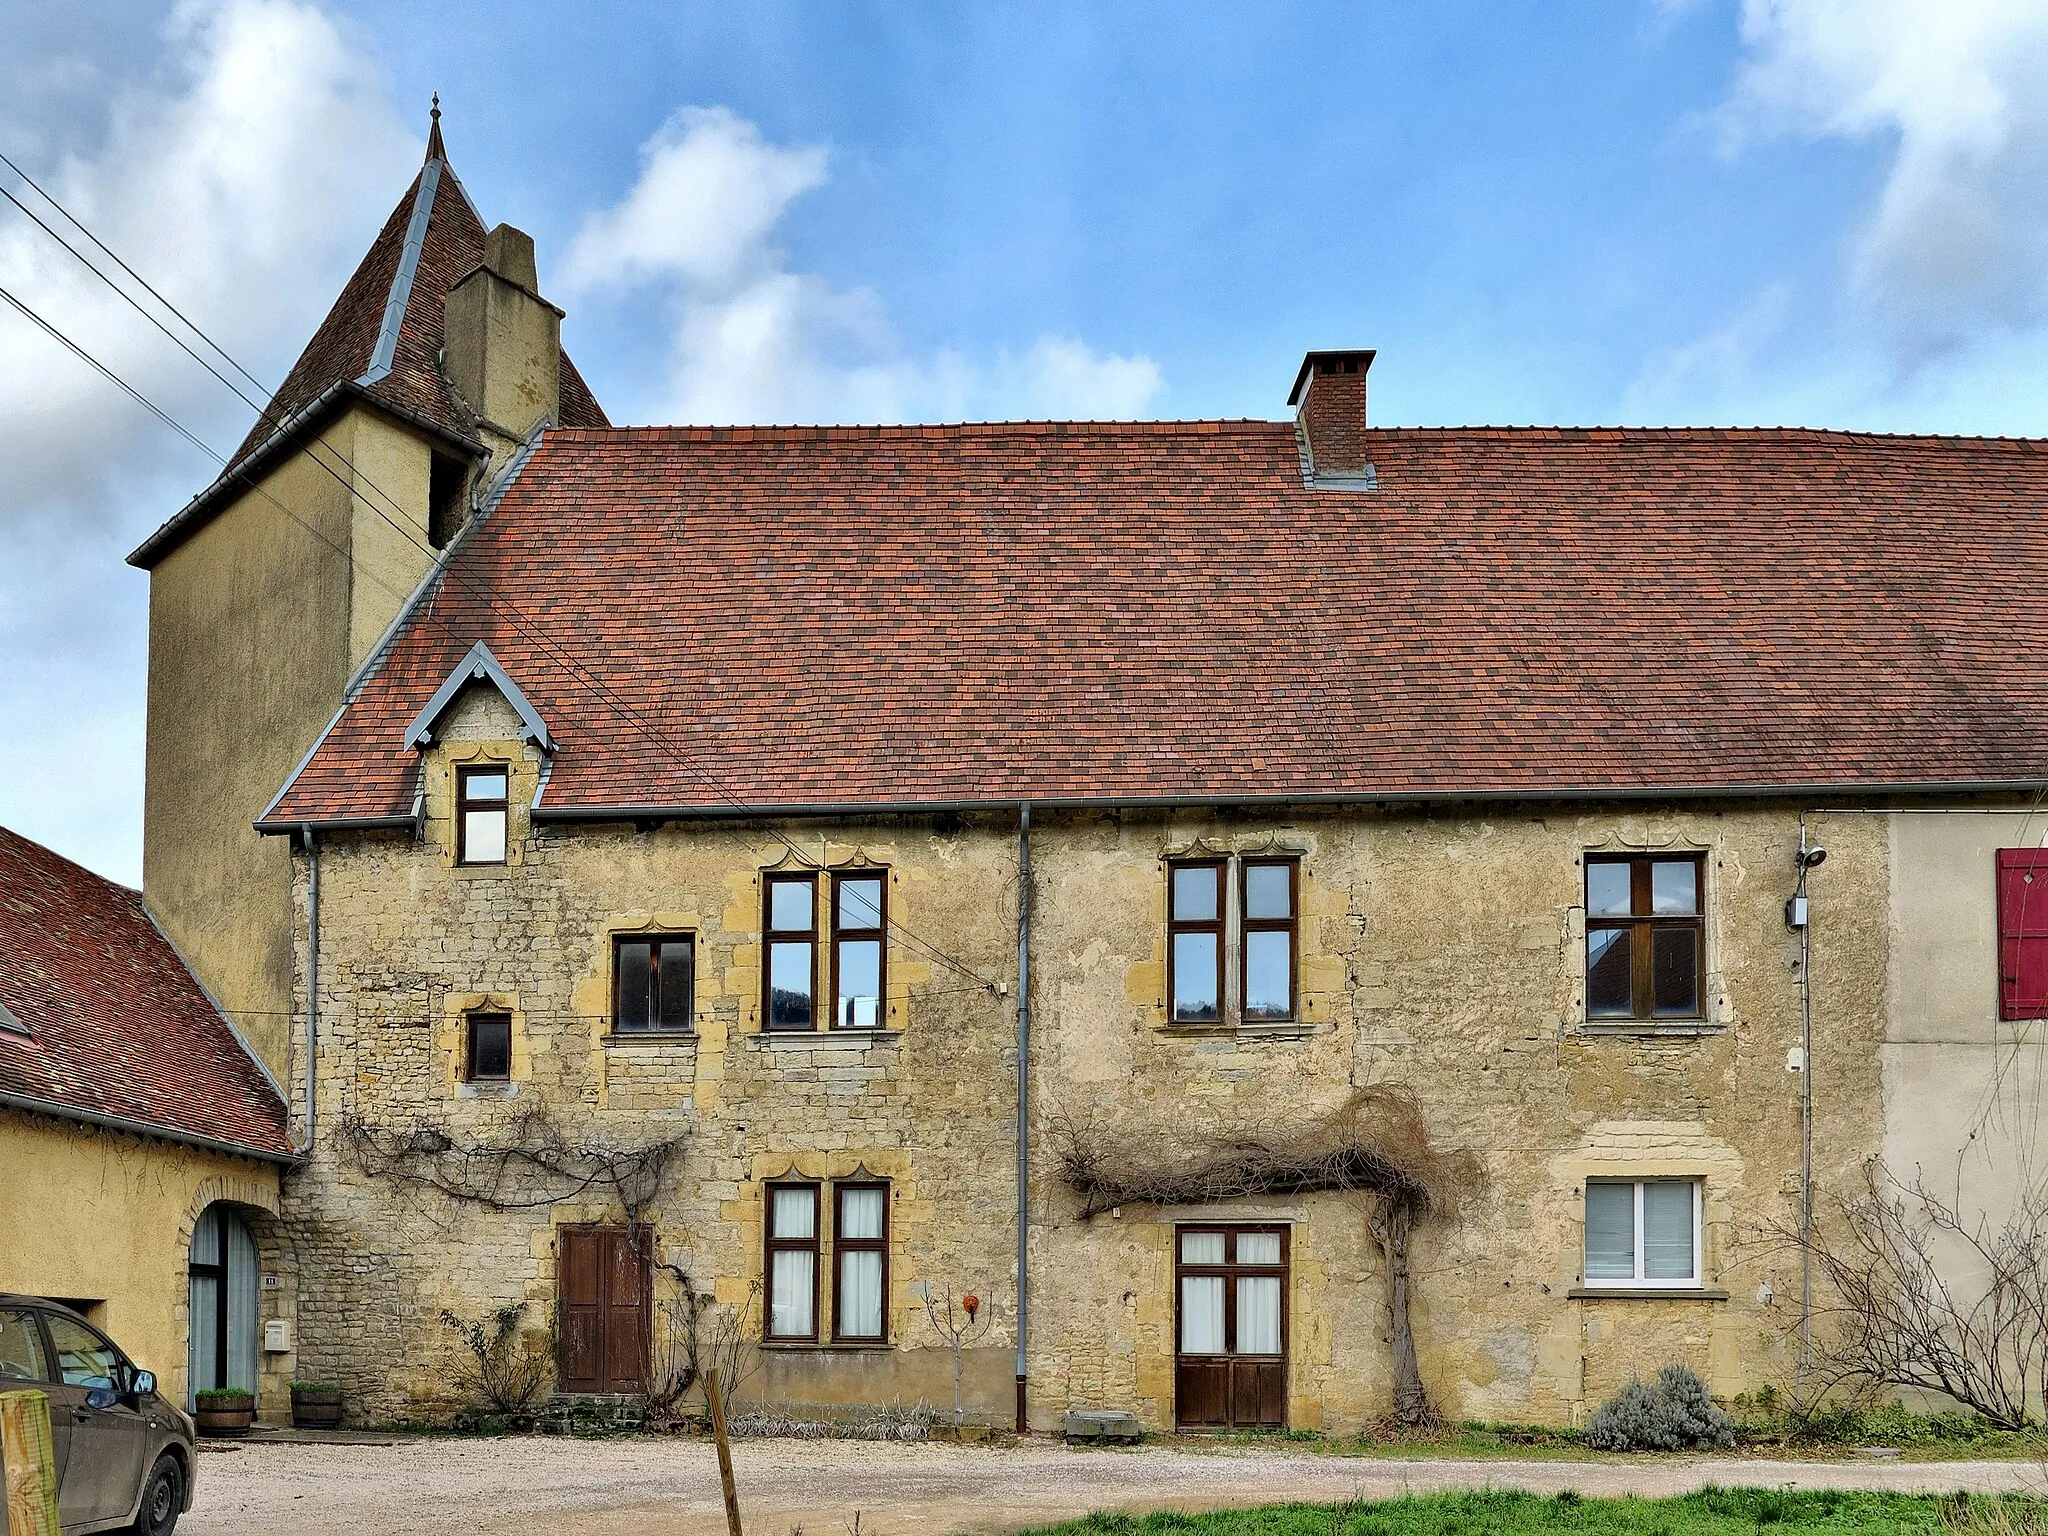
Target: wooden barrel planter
column 224, row 1414
column 315, row 1406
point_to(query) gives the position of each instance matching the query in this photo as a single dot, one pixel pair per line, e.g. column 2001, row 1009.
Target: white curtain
column 1201, row 1247
column 1610, row 1232
column 860, row 1213
column 791, row 1291
column 1258, row 1247
column 860, row 1294
column 244, row 1329
column 795, row 1213
column 1667, row 1230
column 1201, row 1314
column 1258, row 1314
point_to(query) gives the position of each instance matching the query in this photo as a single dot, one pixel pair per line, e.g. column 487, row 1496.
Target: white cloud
column 1957, row 244
column 753, row 341
column 237, row 165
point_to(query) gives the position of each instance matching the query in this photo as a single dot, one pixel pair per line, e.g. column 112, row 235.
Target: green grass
column 1710, row 1512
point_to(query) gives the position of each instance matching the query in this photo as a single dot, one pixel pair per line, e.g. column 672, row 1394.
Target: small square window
column 1643, row 1232
column 487, row 1051
column 654, row 979
column 1645, row 937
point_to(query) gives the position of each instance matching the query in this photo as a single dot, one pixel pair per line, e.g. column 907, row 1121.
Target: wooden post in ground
column 29, row 1456
column 716, row 1399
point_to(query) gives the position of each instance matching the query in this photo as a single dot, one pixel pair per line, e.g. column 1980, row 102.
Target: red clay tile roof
column 116, row 1025
column 344, row 351
column 996, row 613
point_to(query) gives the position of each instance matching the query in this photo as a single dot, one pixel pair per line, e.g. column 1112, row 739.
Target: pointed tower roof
column 381, row 342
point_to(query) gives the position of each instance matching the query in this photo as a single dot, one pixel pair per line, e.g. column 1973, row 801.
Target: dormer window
column 480, row 813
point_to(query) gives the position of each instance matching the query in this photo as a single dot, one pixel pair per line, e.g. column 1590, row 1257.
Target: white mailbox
column 277, row 1336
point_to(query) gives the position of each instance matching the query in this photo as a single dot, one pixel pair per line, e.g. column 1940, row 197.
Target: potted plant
column 315, row 1405
column 225, row 1411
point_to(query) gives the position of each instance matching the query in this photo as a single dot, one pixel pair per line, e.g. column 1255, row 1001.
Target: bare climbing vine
column 527, row 1161
column 1375, row 1144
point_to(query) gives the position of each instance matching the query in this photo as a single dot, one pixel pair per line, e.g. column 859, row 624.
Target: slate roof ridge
column 1033, row 427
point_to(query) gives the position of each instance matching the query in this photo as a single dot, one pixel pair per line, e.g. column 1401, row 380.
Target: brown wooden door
column 1230, row 1327
column 604, row 1293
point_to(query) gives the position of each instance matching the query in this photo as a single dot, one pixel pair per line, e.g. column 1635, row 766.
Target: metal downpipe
column 1023, row 1106
column 312, row 978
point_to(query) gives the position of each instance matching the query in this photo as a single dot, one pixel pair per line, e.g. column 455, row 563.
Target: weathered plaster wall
column 107, row 1217
column 1962, row 1090
column 255, row 623
column 1441, row 951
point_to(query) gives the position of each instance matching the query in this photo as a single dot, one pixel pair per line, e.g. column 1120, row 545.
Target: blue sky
column 1817, row 212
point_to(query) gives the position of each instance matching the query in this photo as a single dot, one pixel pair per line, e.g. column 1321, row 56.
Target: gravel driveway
column 641, row 1487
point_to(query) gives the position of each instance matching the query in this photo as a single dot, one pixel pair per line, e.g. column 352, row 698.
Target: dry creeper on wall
column 1376, row 1144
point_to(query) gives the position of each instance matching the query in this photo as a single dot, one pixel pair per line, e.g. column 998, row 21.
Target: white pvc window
column 1643, row 1232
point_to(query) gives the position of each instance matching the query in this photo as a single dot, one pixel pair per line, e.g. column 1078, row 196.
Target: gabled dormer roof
column 479, row 666
column 380, row 343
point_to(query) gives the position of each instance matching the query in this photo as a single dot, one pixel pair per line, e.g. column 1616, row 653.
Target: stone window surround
column 824, row 941
column 594, row 989
column 452, row 1040
column 1231, row 854
column 1628, row 1170
column 824, row 1250
column 1717, row 1011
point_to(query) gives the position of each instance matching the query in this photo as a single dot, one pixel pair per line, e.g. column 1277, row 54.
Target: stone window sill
column 1644, row 1293
column 828, row 1347
column 820, row 1039
column 665, row 1038
column 1654, row 1029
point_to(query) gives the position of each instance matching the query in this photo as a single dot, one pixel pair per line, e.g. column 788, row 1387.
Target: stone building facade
column 742, row 847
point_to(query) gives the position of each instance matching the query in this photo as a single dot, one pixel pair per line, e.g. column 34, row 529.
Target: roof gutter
column 56, row 1110
column 729, row 812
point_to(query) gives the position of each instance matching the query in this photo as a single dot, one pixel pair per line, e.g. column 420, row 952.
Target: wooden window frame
column 772, row 1245
column 1230, row 1269
column 1642, row 924
column 469, row 1023
column 1697, row 1280
column 464, row 804
column 771, row 936
column 1248, row 925
column 1175, row 927
column 655, row 941
column 843, row 1245
column 877, row 935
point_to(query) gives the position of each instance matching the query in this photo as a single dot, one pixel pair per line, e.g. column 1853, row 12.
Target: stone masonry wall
column 1439, row 950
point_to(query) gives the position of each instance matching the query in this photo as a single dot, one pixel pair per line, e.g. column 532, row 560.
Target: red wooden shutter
column 2022, row 933
column 580, row 1264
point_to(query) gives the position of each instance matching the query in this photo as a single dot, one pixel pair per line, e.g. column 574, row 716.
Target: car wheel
column 161, row 1496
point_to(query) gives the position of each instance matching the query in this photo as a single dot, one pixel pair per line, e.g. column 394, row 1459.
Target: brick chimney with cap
column 1329, row 402
column 504, row 341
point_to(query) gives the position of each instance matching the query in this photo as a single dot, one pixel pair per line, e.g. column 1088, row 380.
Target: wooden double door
column 604, row 1275
column 1230, row 1327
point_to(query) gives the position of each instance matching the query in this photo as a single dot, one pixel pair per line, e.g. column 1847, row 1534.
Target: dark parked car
column 124, row 1454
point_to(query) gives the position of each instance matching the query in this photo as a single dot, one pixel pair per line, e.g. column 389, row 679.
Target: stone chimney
column 1329, row 402
column 503, row 342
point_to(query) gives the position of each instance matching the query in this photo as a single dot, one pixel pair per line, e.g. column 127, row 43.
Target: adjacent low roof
column 115, row 1026
column 792, row 617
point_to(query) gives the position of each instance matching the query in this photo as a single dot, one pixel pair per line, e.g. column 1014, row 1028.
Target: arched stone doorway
column 224, row 1340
